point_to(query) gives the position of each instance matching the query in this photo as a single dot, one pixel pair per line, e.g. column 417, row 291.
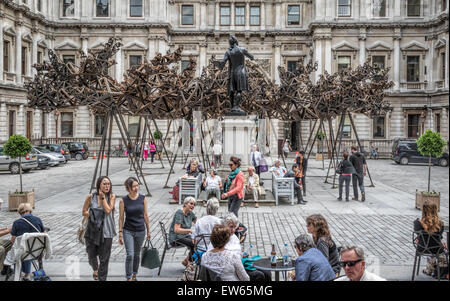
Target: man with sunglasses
column 354, row 265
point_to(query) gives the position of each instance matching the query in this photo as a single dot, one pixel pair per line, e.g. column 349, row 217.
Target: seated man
column 5, row 246
column 277, row 170
column 311, row 265
column 294, row 173
column 352, row 260
column 251, row 185
column 213, row 184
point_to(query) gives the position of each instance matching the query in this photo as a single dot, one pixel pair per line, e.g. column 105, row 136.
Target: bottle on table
column 273, row 256
column 286, row 255
column 248, row 252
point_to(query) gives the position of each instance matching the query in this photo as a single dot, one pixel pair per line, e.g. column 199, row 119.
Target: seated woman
column 27, row 223
column 205, row 224
column 317, row 225
column 180, row 229
column 213, row 184
column 200, row 167
column 432, row 225
column 225, row 263
column 5, row 246
column 311, row 265
column 192, row 172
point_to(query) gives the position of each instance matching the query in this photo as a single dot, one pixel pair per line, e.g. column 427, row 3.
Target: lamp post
column 56, row 124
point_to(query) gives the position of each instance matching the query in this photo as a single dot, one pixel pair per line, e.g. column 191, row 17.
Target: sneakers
column 363, row 197
column 339, row 199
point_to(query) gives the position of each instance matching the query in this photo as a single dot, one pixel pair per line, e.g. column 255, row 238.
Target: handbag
column 339, row 168
column 189, row 273
column 150, row 256
column 263, row 165
column 82, row 230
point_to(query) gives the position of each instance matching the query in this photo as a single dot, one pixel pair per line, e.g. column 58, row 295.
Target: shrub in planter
column 17, row 147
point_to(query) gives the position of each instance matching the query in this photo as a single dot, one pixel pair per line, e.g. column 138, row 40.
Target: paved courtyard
column 382, row 225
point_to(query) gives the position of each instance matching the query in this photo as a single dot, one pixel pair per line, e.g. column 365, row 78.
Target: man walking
column 359, row 162
column 302, row 163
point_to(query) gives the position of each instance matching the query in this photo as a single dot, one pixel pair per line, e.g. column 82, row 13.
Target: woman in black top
column 347, row 170
column 132, row 232
column 318, row 227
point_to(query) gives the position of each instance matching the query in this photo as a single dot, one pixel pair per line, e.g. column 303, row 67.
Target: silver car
column 29, row 162
column 55, row 158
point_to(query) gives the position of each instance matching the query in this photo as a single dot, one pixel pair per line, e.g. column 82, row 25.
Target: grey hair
column 358, row 251
column 304, row 242
column 187, row 200
column 276, row 161
column 251, row 167
column 230, row 217
column 212, row 206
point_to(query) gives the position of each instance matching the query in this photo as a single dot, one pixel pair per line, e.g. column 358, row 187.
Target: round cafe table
column 263, row 264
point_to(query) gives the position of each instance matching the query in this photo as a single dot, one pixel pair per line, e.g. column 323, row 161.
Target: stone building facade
column 409, row 36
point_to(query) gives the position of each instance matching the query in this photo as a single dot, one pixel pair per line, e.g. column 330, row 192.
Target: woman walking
column 146, row 150
column 152, row 149
column 133, row 208
column 99, row 248
column 345, row 177
column 234, row 186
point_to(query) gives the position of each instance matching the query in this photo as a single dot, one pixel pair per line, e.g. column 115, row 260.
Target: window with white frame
column 187, row 15
column 133, row 126
column 68, row 8
column 39, row 5
column 40, row 56
column 443, row 67
column 6, row 51
column 379, row 8
column 43, row 124
column 344, row 8
column 135, row 60
column 413, row 68
column 136, row 8
column 379, row 127
column 344, row 62
column 99, row 125
column 184, row 64
column 68, row 58
column 378, row 61
column 413, row 8
column 347, row 128
column 24, row 60
column 102, row 8
column 67, row 124
column 255, row 15
column 293, row 14
column 239, row 18
column 224, row 15
column 292, row 66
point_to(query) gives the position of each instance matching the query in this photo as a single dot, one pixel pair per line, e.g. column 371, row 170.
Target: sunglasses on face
column 231, row 164
column 343, row 264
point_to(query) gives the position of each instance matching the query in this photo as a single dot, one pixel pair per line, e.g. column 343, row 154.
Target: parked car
column 58, row 148
column 54, row 158
column 43, row 162
column 78, row 150
column 29, row 162
column 405, row 151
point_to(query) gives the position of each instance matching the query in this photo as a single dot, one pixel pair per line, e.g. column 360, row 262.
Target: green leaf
column 431, row 144
column 17, row 146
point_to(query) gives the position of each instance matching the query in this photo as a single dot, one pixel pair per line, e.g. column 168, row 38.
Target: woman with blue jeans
column 134, row 208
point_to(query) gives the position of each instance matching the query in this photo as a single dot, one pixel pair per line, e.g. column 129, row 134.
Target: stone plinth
column 237, row 139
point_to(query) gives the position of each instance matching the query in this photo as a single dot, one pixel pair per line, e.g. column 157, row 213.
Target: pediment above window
column 379, row 46
column 27, row 38
column 441, row 43
column 9, row 30
column 67, row 45
column 134, row 46
column 414, row 47
column 344, row 47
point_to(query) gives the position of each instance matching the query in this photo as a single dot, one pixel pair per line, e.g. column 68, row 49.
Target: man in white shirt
column 352, row 260
column 255, row 158
column 278, row 171
column 217, row 152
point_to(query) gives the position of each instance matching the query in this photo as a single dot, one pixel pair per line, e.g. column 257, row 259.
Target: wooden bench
column 283, row 187
column 190, row 187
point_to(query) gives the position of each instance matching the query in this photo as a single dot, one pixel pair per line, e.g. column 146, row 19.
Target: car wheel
column 14, row 168
column 404, row 161
column 443, row 162
column 79, row 157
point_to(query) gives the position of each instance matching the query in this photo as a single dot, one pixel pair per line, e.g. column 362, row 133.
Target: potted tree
column 320, row 137
column 430, row 144
column 17, row 147
column 158, row 136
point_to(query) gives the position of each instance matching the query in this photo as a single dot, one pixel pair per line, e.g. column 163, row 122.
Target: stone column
column 330, row 9
column 34, row 49
column 362, row 46
column 278, row 15
column 397, row 60
column 232, row 15
column 263, row 16
column 3, row 121
column 319, row 10
column 356, row 10
column 364, row 10
column 202, row 58
column 119, row 66
column 151, row 48
column 328, row 55
column 18, row 57
column 36, row 132
column 20, row 127
column 1, row 49
column 429, row 122
column 237, row 139
column 277, row 60
column 84, row 44
column 430, row 59
column 397, row 9
column 217, row 20
column 247, row 16
column 162, row 46
column 203, row 15
column 318, row 54
column 444, row 121
column 446, row 60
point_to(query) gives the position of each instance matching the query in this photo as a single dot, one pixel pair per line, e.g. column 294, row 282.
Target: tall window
column 133, row 126
column 102, row 8
column 12, row 123
column 187, row 15
column 135, row 60
column 67, row 124
column 344, row 8
column 39, row 5
column 293, row 15
column 346, row 131
column 135, row 8
column 39, row 57
column 412, row 69
column 343, row 62
column 378, row 61
column 43, row 124
column 100, row 121
column 292, row 66
column 378, row 127
column 24, row 60
column 444, row 5
column 68, row 8
column 254, row 15
column 443, row 67
column 379, row 8
column 240, row 15
column 184, row 64
column 224, row 15
column 438, row 123
column 413, row 125
column 413, row 8
column 6, row 56
column 69, row 58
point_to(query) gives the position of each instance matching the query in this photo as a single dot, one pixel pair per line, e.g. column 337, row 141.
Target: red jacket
column 237, row 186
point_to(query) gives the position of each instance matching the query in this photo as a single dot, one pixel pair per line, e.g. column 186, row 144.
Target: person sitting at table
column 5, row 246
column 354, row 265
column 311, row 265
column 277, row 170
column 317, row 226
column 227, row 264
column 180, row 229
column 205, row 224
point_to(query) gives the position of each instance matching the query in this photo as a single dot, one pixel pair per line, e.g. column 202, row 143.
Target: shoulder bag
column 339, row 168
column 150, row 256
column 82, row 228
column 263, row 164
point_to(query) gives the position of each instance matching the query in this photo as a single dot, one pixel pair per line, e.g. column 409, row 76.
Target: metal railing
column 413, row 85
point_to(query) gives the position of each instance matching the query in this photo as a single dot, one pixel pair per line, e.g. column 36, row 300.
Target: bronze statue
column 237, row 75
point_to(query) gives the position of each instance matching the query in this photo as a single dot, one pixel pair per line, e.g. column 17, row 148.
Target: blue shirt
column 313, row 266
column 20, row 226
